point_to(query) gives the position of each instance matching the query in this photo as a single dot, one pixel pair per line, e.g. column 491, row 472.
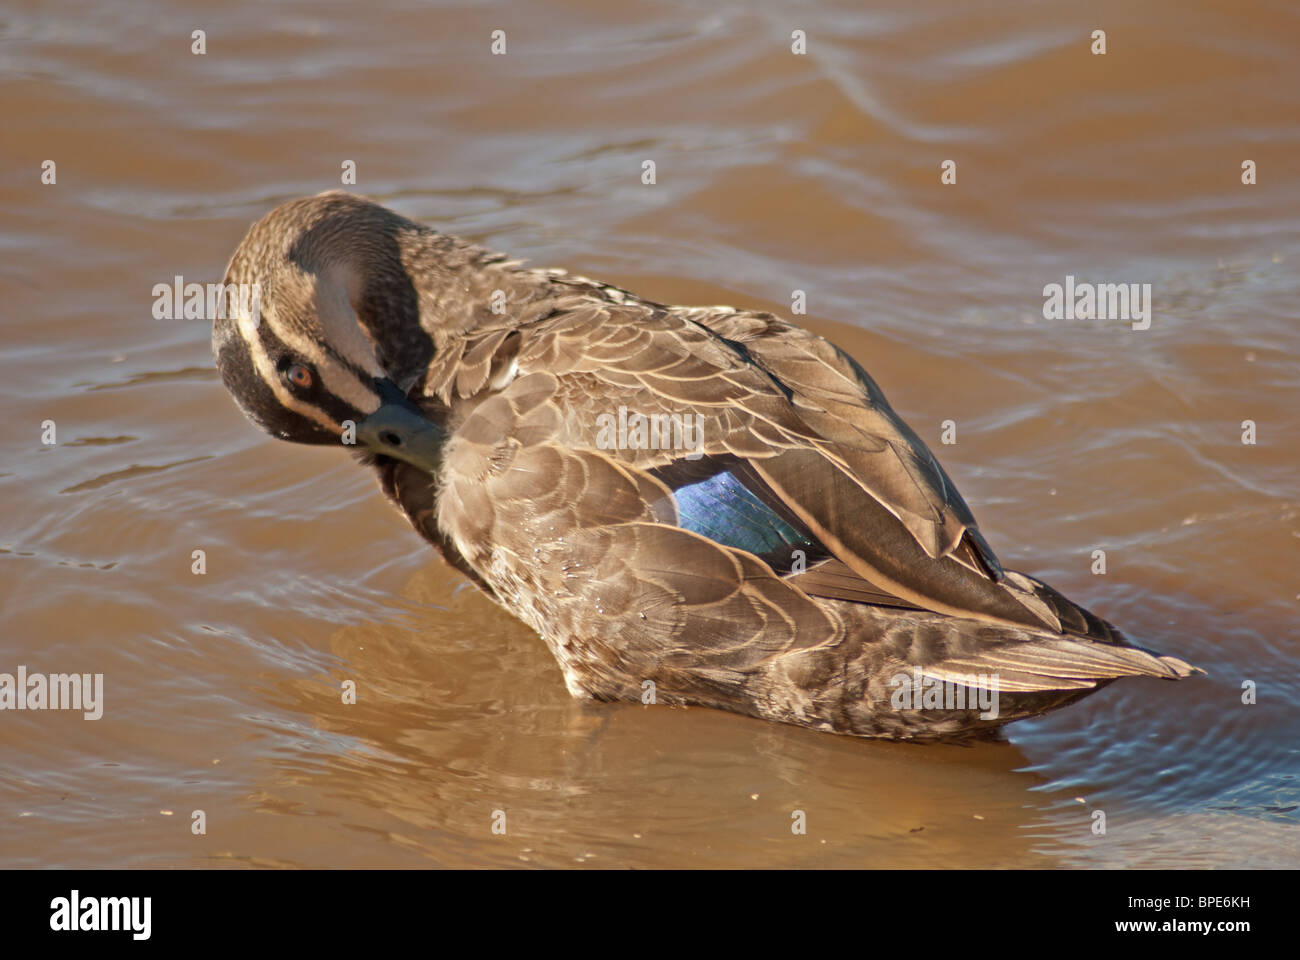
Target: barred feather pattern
column 587, row 542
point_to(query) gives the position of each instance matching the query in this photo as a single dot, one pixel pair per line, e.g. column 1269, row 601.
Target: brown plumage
column 790, row 558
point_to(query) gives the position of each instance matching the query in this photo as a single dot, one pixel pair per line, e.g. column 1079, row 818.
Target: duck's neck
column 429, row 289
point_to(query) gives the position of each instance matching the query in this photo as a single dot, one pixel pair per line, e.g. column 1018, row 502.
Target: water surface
column 775, row 173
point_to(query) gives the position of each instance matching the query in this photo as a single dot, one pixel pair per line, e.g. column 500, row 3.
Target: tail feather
column 1058, row 611
column 1058, row 663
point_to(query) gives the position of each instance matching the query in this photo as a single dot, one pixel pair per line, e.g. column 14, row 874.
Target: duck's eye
column 299, row 375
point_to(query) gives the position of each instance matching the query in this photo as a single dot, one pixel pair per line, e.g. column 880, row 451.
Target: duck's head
column 321, row 329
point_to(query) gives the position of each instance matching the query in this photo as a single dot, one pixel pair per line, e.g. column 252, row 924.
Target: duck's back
column 723, row 505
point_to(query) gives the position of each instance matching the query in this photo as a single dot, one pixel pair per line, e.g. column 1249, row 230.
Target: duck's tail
column 1056, row 663
column 920, row 675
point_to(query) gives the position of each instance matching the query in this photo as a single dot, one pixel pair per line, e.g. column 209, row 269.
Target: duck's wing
column 793, row 420
column 689, row 566
column 898, row 472
column 958, row 573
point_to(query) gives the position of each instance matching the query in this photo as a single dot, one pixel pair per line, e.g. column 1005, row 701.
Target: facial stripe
column 254, row 395
column 339, row 380
column 339, row 410
column 343, row 358
column 253, row 332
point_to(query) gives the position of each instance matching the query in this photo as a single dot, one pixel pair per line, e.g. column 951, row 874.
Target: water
column 775, row 173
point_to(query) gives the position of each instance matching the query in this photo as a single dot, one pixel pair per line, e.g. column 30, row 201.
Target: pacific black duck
column 689, row 504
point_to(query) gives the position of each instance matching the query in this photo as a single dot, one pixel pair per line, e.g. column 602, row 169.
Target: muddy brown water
column 775, row 172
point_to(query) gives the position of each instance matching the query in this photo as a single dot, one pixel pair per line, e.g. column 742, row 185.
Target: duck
column 699, row 506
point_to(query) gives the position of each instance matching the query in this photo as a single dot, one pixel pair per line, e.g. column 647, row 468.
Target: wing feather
column 813, row 426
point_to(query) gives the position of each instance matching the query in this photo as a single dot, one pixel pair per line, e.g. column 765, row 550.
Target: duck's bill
column 399, row 429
